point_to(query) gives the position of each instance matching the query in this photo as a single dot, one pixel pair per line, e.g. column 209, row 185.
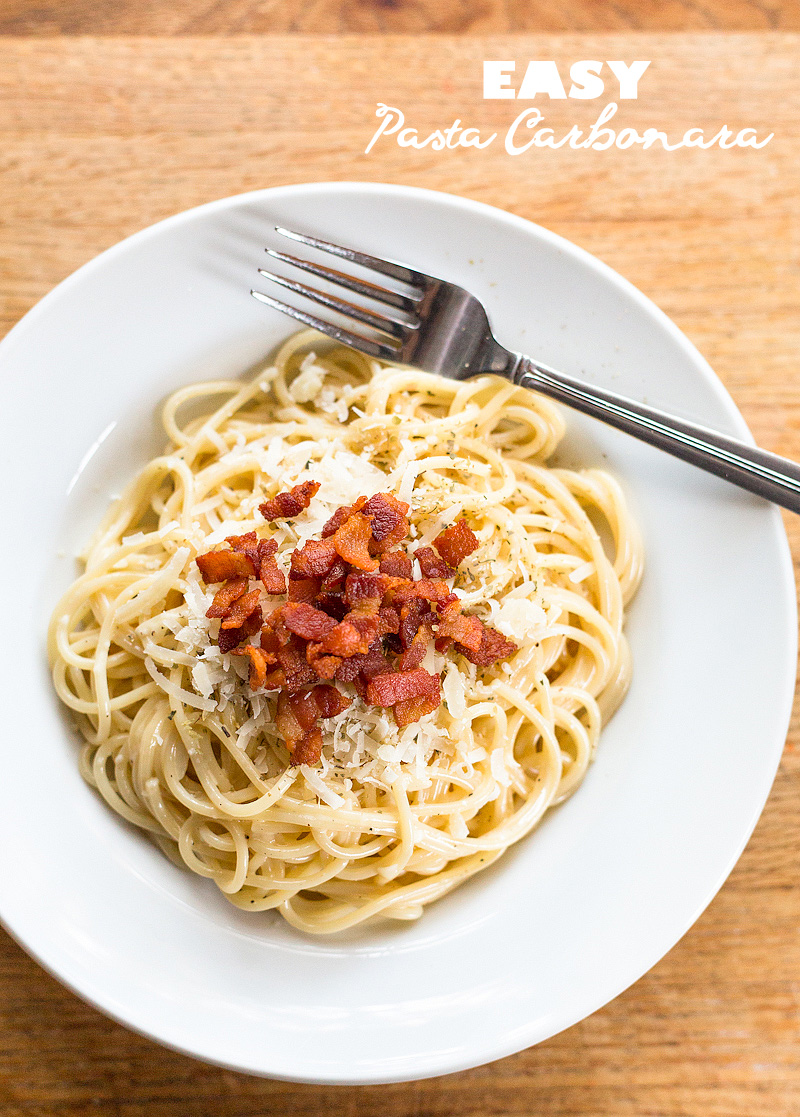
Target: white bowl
column 589, row 901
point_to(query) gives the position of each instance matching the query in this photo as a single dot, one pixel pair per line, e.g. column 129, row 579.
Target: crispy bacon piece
column 396, row 564
column 308, row 749
column 288, row 504
column 241, row 609
column 345, row 641
column 389, row 689
column 467, row 631
column 306, row 621
column 296, row 668
column 425, row 588
column 413, row 614
column 246, row 544
column 333, row 604
column 275, row 679
column 368, row 626
column 360, row 588
column 412, row 709
column 387, row 514
column 229, row 637
column 456, row 542
column 334, row 580
column 493, row 648
column 324, row 666
column 224, row 598
column 261, row 553
column 271, row 642
column 389, row 620
column 219, row 566
column 314, row 559
column 414, row 654
column 341, row 515
column 351, row 542
column 271, row 575
column 373, row 663
column 304, row 589
column 431, row 565
column 297, row 720
column 273, row 623
column 258, row 665
column 330, row 701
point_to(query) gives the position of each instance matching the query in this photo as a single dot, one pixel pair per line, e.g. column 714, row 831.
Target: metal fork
column 439, row 327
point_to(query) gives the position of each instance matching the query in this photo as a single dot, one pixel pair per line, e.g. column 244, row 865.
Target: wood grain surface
column 271, row 17
column 100, row 137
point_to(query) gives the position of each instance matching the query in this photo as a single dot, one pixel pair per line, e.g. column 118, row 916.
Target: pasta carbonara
column 391, row 816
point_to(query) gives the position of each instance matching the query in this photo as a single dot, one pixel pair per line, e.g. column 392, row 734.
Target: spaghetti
column 392, row 816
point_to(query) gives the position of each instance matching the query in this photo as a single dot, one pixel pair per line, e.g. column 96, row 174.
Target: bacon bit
column 388, row 689
column 246, row 544
column 493, row 648
column 288, row 504
column 325, row 666
column 415, row 613
column 295, row 666
column 269, row 572
column 341, row 515
column 274, row 623
column 297, row 720
column 396, row 564
column 367, row 626
column 270, row 643
column 330, row 701
column 275, row 680
column 431, row 565
column 287, row 720
column 345, row 640
column 425, row 588
column 314, row 559
column 258, row 665
column 333, row 604
column 304, row 589
column 413, row 656
column 306, row 621
column 224, row 598
column 361, row 588
column 456, row 542
column 261, row 553
column 412, row 709
column 242, row 609
column 229, row 637
column 465, row 630
column 220, row 566
column 389, row 620
column 369, row 665
column 351, row 542
column 387, row 514
column 308, row 750
column 334, row 580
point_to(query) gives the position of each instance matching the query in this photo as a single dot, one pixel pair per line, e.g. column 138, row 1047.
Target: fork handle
column 768, row 475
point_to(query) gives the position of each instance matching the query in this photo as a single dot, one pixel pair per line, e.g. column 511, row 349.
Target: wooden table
column 102, row 137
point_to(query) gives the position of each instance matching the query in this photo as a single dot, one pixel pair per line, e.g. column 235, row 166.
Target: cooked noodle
column 391, row 819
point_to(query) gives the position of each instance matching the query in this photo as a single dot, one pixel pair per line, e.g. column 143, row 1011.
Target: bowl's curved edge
column 519, row 1039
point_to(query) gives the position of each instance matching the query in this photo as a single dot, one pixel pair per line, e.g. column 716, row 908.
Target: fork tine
column 365, row 345
column 341, row 306
column 360, row 286
column 385, row 267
